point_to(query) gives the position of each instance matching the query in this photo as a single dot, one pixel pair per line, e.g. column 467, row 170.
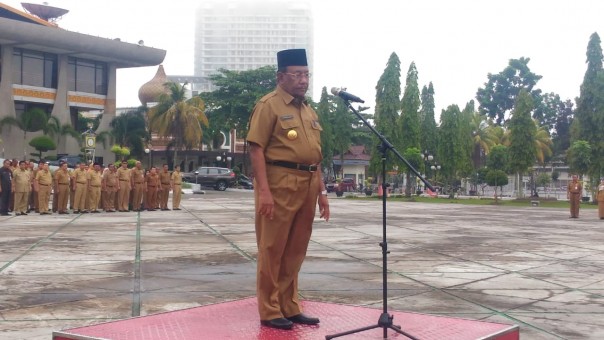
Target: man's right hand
column 266, row 204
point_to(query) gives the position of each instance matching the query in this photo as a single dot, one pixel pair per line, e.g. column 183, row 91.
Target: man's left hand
column 324, row 207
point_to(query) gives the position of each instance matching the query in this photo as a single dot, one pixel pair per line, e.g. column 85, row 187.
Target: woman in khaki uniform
column 43, row 184
column 601, row 199
column 285, row 149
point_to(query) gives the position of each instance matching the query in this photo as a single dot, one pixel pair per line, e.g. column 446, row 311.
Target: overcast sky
column 454, row 44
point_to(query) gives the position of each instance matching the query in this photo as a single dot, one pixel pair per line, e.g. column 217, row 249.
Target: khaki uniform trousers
column 94, row 195
column 176, row 195
column 62, row 196
column 80, row 196
column 151, row 198
column 43, row 197
column 33, row 201
column 123, row 196
column 110, row 199
column 282, row 241
column 137, row 195
column 21, row 200
column 575, row 202
column 164, row 195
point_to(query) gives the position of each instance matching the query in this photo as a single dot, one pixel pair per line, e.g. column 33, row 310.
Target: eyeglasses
column 299, row 75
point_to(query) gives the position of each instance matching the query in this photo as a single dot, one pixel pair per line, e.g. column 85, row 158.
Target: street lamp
column 224, row 158
column 427, row 157
column 435, row 168
column 148, row 152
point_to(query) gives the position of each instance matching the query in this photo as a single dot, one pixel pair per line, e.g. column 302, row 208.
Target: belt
column 95, row 186
column 44, row 184
column 177, row 183
column 139, row 182
column 166, row 183
column 63, row 183
column 109, row 186
column 151, row 186
column 296, row 166
column 82, row 182
column 124, row 180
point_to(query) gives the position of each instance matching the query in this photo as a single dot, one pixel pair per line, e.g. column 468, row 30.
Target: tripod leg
column 327, row 337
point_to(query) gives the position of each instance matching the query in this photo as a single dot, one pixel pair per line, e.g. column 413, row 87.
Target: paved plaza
column 530, row 266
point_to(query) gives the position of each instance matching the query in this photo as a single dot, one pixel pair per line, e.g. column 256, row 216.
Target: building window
column 87, row 76
column 34, row 68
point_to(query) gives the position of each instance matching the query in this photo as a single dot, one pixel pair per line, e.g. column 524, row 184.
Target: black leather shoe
column 303, row 319
column 279, row 323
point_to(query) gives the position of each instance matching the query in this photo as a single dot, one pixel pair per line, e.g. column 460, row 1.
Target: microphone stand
column 385, row 319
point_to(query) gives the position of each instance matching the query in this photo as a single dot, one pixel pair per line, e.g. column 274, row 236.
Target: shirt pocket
column 291, row 130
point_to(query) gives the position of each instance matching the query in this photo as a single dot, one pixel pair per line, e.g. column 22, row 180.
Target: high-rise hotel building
column 241, row 35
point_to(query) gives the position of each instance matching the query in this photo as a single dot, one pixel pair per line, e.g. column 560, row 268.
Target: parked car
column 347, row 184
column 218, row 178
column 72, row 161
column 330, row 186
column 245, row 182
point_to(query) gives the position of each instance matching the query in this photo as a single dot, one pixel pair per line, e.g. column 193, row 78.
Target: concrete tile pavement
column 530, row 266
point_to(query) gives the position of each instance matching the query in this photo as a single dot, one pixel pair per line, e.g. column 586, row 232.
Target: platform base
column 239, row 320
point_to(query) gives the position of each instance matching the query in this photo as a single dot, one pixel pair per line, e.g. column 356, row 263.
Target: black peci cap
column 293, row 57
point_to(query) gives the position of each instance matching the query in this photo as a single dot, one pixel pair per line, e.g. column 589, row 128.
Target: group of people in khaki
column 89, row 189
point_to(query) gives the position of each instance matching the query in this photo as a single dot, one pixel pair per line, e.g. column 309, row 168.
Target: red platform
column 239, row 320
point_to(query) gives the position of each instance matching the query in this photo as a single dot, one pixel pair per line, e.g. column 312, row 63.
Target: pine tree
column 409, row 122
column 325, row 112
column 589, row 117
column 428, row 131
column 387, row 107
column 522, row 137
column 450, row 151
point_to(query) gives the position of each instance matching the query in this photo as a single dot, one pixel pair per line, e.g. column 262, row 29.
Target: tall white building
column 241, row 35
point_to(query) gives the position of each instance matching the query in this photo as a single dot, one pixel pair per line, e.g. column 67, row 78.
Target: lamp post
column 148, row 152
column 435, row 168
column 224, row 159
column 427, row 157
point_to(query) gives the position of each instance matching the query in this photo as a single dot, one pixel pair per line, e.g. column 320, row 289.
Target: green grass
column 478, row 201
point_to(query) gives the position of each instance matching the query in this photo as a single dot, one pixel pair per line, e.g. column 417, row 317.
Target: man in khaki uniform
column 110, row 187
column 33, row 195
column 285, row 149
column 94, row 187
column 21, row 186
column 138, row 186
column 123, row 195
column 176, row 185
column 573, row 193
column 164, row 193
column 80, row 185
column 62, row 188
column 43, row 184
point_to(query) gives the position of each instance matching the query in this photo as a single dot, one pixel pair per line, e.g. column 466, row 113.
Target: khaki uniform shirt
column 176, row 177
column 62, row 177
column 110, row 179
column 575, row 188
column 286, row 131
column 95, row 178
column 43, row 177
column 80, row 176
column 124, row 176
column 152, row 180
column 21, row 180
column 164, row 177
column 138, row 176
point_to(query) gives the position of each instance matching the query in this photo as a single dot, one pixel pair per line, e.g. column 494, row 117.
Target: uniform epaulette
column 268, row 96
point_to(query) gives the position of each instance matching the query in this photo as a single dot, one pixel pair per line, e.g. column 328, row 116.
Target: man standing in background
column 164, row 194
column 138, row 183
column 176, row 184
column 43, row 184
column 123, row 194
column 6, row 179
column 573, row 193
column 21, row 186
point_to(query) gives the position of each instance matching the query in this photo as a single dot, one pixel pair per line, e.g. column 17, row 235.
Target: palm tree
column 54, row 128
column 543, row 143
column 484, row 137
column 129, row 130
column 178, row 119
column 32, row 120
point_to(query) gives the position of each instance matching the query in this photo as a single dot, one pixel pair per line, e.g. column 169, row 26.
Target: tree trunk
column 408, row 184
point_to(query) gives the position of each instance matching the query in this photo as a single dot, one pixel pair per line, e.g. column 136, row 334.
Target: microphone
column 345, row 95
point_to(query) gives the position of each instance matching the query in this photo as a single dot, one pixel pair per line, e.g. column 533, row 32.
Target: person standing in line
column 14, row 165
column 151, row 188
column 62, row 189
column 33, row 195
column 600, row 197
column 6, row 179
column 94, row 188
column 110, row 185
column 164, row 193
column 20, row 187
column 176, row 185
column 573, row 193
column 80, row 186
column 138, row 183
column 285, row 149
column 123, row 198
column 43, row 184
